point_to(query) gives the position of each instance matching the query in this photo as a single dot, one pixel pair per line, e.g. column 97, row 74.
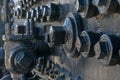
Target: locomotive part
column 38, row 45
column 57, row 35
column 19, row 32
column 51, row 12
column 67, row 34
column 106, row 6
column 75, row 25
column 107, row 49
column 86, row 8
column 30, row 3
column 88, row 39
column 18, row 58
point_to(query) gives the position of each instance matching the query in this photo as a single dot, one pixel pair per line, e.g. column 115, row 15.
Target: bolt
column 53, row 12
column 27, row 27
column 33, row 13
column 51, row 73
column 84, row 8
column 87, row 40
column 38, row 12
column 107, row 49
column 102, row 49
column 45, row 11
column 57, row 35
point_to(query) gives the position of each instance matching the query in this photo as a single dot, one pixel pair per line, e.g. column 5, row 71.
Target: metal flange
column 74, row 24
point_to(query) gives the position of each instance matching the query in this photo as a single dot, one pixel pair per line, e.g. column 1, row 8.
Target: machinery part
column 106, row 6
column 19, row 32
column 54, row 71
column 52, row 12
column 42, row 48
column 37, row 13
column 86, row 8
column 74, row 24
column 107, row 49
column 33, row 13
column 88, row 39
column 44, row 18
column 67, row 34
column 30, row 3
column 57, row 35
column 20, row 13
column 18, row 58
column 68, row 45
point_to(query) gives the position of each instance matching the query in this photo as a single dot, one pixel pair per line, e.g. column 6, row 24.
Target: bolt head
column 101, row 50
column 57, row 35
column 23, row 60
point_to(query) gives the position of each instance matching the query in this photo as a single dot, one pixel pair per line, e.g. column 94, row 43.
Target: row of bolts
column 54, row 70
column 43, row 11
column 39, row 13
column 99, row 6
